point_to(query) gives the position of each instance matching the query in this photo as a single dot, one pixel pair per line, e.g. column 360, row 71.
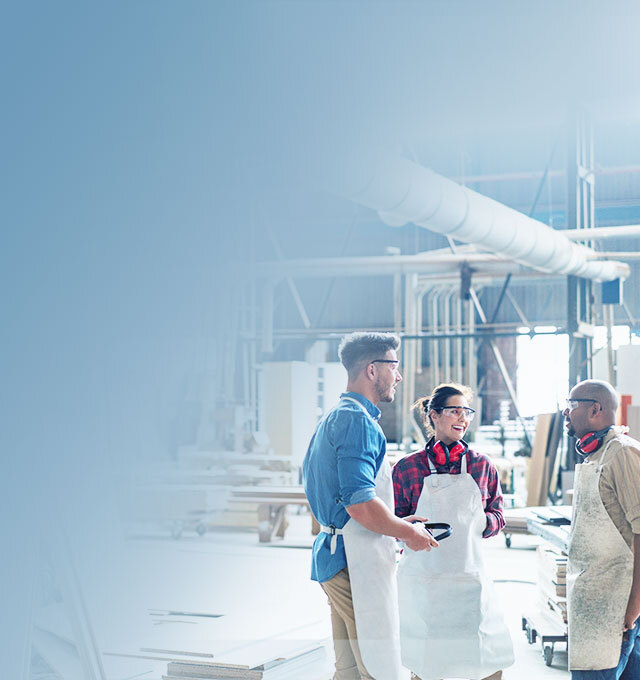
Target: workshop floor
column 268, row 606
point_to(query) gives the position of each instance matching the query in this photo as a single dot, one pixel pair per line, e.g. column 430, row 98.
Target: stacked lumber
column 60, row 649
column 516, row 521
column 194, row 459
column 552, row 581
column 305, row 664
column 192, row 492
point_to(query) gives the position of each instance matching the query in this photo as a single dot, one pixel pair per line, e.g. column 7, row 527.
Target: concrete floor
column 269, row 607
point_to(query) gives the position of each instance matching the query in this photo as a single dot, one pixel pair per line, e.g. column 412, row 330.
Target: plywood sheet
column 537, row 479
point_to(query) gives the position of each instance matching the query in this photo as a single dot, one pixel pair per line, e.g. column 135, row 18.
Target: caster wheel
column 507, row 540
column 201, row 529
column 531, row 635
column 548, row 654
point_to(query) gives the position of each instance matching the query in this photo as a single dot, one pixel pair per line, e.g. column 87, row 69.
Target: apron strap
column 355, row 401
column 433, row 477
column 364, row 408
column 601, row 461
column 334, row 536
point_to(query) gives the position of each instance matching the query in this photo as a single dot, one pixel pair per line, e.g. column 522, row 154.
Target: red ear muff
column 441, row 452
column 457, row 451
column 589, row 443
column 444, row 454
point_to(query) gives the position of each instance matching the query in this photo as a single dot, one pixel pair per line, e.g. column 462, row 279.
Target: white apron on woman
column 599, row 576
column 371, row 561
column 450, row 621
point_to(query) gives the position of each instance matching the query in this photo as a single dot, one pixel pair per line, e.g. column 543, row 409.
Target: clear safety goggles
column 457, row 411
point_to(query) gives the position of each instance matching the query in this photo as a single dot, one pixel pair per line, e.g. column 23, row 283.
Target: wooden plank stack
column 192, row 492
column 552, row 581
column 304, row 664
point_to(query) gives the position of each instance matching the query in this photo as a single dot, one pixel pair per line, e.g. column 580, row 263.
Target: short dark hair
column 358, row 349
column 438, row 400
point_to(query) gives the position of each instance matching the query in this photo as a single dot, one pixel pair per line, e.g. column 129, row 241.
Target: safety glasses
column 574, row 403
column 457, row 411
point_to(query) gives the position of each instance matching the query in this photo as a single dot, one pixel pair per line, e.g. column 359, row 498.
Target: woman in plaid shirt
column 409, row 473
column 450, row 623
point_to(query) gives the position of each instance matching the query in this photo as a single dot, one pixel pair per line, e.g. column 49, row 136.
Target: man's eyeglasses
column 457, row 411
column 574, row 403
column 386, row 361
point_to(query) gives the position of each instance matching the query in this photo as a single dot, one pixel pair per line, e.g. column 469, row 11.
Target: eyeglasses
column 386, row 361
column 457, row 411
column 574, row 403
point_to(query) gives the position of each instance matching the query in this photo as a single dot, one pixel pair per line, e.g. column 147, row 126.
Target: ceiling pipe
column 621, row 255
column 402, row 191
column 380, row 264
column 537, row 174
column 602, row 233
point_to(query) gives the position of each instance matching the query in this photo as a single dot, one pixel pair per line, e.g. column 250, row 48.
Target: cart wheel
column 531, row 634
column 524, row 623
column 201, row 529
column 507, row 540
column 176, row 530
column 548, row 654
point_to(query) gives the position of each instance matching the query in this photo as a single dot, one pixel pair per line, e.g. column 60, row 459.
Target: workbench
column 553, row 523
column 272, row 504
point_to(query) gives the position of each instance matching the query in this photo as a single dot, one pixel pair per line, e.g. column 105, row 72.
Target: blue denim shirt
column 339, row 469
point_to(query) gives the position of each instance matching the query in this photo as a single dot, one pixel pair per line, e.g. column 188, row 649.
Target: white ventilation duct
column 402, row 191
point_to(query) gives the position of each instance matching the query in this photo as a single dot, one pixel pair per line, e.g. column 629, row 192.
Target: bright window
column 543, row 371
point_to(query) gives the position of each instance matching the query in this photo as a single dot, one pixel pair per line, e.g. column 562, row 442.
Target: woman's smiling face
column 451, row 428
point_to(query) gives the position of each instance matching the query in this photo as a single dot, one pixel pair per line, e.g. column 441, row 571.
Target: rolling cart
column 541, row 626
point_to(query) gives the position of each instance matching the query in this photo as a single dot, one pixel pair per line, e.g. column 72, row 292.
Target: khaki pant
column 349, row 664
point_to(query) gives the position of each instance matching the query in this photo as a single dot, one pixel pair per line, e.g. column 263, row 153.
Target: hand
column 415, row 518
column 631, row 615
column 420, row 539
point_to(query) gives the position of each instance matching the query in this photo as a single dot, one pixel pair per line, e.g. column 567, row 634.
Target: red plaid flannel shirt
column 409, row 473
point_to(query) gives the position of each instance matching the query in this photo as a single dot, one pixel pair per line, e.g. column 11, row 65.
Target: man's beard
column 386, row 395
column 570, row 431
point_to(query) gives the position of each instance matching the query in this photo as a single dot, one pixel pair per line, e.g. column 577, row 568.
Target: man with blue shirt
column 348, row 483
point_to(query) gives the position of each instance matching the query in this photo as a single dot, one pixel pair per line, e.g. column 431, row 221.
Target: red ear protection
column 587, row 444
column 444, row 454
column 591, row 441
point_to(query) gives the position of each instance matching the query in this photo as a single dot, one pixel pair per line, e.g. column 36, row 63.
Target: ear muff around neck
column 591, row 442
column 446, row 455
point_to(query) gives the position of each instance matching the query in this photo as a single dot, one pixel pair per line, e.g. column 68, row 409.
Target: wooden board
column 550, row 488
column 297, row 665
column 296, row 492
column 537, row 479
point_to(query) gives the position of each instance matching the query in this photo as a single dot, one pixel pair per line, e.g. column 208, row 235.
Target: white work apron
column 371, row 560
column 450, row 621
column 599, row 576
